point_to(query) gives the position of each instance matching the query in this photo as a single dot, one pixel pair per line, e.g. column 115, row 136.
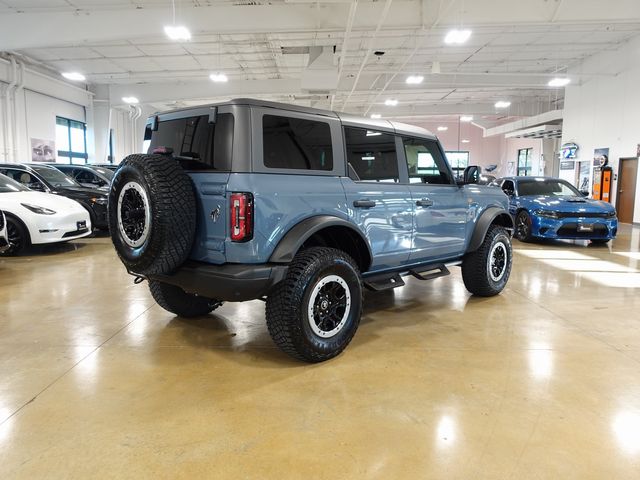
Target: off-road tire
column 524, row 235
column 172, row 223
column 476, row 265
column 16, row 227
column 175, row 300
column 287, row 306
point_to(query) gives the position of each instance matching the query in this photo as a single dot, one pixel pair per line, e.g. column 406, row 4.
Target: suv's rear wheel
column 314, row 312
column 486, row 271
column 152, row 214
column 175, row 300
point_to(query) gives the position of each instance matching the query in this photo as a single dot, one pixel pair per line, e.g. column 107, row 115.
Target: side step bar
column 436, row 271
column 388, row 281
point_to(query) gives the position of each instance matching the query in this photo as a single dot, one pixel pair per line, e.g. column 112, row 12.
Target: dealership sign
column 569, row 151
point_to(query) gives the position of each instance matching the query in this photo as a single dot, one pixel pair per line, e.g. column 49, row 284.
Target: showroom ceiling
column 263, row 48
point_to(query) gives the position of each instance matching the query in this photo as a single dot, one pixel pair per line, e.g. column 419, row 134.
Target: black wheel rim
column 133, row 214
column 498, row 261
column 522, row 226
column 329, row 307
column 133, row 217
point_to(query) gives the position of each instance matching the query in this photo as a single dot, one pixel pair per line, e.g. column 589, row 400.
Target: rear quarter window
column 296, row 144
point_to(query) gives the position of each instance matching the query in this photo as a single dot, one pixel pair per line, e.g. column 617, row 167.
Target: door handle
column 424, row 202
column 364, row 203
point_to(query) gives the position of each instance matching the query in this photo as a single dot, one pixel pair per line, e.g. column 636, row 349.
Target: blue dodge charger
column 553, row 208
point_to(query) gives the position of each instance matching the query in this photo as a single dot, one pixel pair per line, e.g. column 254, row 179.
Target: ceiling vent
column 294, row 50
column 541, row 131
column 321, row 74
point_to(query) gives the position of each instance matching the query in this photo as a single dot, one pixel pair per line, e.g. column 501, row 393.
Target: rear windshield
column 198, row 144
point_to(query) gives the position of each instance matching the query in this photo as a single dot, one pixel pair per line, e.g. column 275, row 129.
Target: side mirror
column 585, row 193
column 509, row 192
column 471, row 174
column 35, row 186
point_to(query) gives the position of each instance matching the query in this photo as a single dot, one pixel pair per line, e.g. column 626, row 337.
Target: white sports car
column 36, row 218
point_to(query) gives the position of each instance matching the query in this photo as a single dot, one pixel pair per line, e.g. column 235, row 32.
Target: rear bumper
column 229, row 282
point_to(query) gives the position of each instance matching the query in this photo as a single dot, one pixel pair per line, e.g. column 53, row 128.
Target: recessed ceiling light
column 443, row 129
column 414, row 79
column 466, row 118
column 218, row 77
column 391, row 102
column 75, row 76
column 465, row 141
column 130, row 100
column 559, row 82
column 177, row 32
column 502, row 104
column 457, row 37
column 376, row 115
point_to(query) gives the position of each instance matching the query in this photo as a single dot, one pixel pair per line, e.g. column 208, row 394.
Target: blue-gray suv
column 303, row 208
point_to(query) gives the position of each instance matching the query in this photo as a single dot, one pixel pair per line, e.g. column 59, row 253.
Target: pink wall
column 485, row 151
column 482, row 151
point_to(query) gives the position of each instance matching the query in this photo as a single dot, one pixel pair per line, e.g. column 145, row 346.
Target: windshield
column 550, row 187
column 10, row 186
column 55, row 177
column 105, row 172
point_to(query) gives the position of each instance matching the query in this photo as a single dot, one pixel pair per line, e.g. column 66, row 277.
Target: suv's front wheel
column 314, row 312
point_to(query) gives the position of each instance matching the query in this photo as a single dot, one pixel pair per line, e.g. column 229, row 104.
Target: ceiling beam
column 32, row 28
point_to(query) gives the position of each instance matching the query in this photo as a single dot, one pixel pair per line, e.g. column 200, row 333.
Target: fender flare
column 289, row 245
column 484, row 222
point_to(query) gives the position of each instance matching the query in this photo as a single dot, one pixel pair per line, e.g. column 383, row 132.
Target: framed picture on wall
column 43, row 150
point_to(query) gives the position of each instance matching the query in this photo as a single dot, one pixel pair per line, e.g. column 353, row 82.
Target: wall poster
column 43, row 150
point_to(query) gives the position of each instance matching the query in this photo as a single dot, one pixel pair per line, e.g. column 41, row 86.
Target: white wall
column 605, row 111
column 32, row 110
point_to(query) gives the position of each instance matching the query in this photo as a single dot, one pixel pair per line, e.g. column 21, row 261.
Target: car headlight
column 547, row 214
column 38, row 210
column 99, row 200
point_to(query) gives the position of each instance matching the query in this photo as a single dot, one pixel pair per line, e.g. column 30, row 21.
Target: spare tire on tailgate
column 152, row 214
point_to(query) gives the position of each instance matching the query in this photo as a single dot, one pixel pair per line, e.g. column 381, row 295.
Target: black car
column 45, row 178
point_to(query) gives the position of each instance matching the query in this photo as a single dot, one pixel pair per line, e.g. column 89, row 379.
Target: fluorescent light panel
column 502, row 104
column 466, row 118
column 559, row 82
column 414, row 79
column 177, row 32
column 130, row 100
column 457, row 37
column 75, row 76
column 391, row 102
column 218, row 77
column 443, row 129
column 376, row 115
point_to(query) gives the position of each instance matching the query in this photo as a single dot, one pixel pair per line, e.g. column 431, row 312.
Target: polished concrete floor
column 541, row 382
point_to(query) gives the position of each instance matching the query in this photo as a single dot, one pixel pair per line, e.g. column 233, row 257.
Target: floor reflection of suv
column 302, row 208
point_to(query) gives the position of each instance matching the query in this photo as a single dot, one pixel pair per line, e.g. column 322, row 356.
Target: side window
column 508, row 187
column 425, row 162
column 296, row 144
column 371, row 155
column 25, row 178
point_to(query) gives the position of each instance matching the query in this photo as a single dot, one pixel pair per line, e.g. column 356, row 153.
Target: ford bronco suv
column 302, row 208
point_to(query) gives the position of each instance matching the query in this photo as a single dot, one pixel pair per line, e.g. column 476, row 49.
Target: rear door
column 202, row 141
column 377, row 200
column 440, row 205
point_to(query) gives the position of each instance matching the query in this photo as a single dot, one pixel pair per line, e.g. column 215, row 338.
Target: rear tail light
column 241, row 217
